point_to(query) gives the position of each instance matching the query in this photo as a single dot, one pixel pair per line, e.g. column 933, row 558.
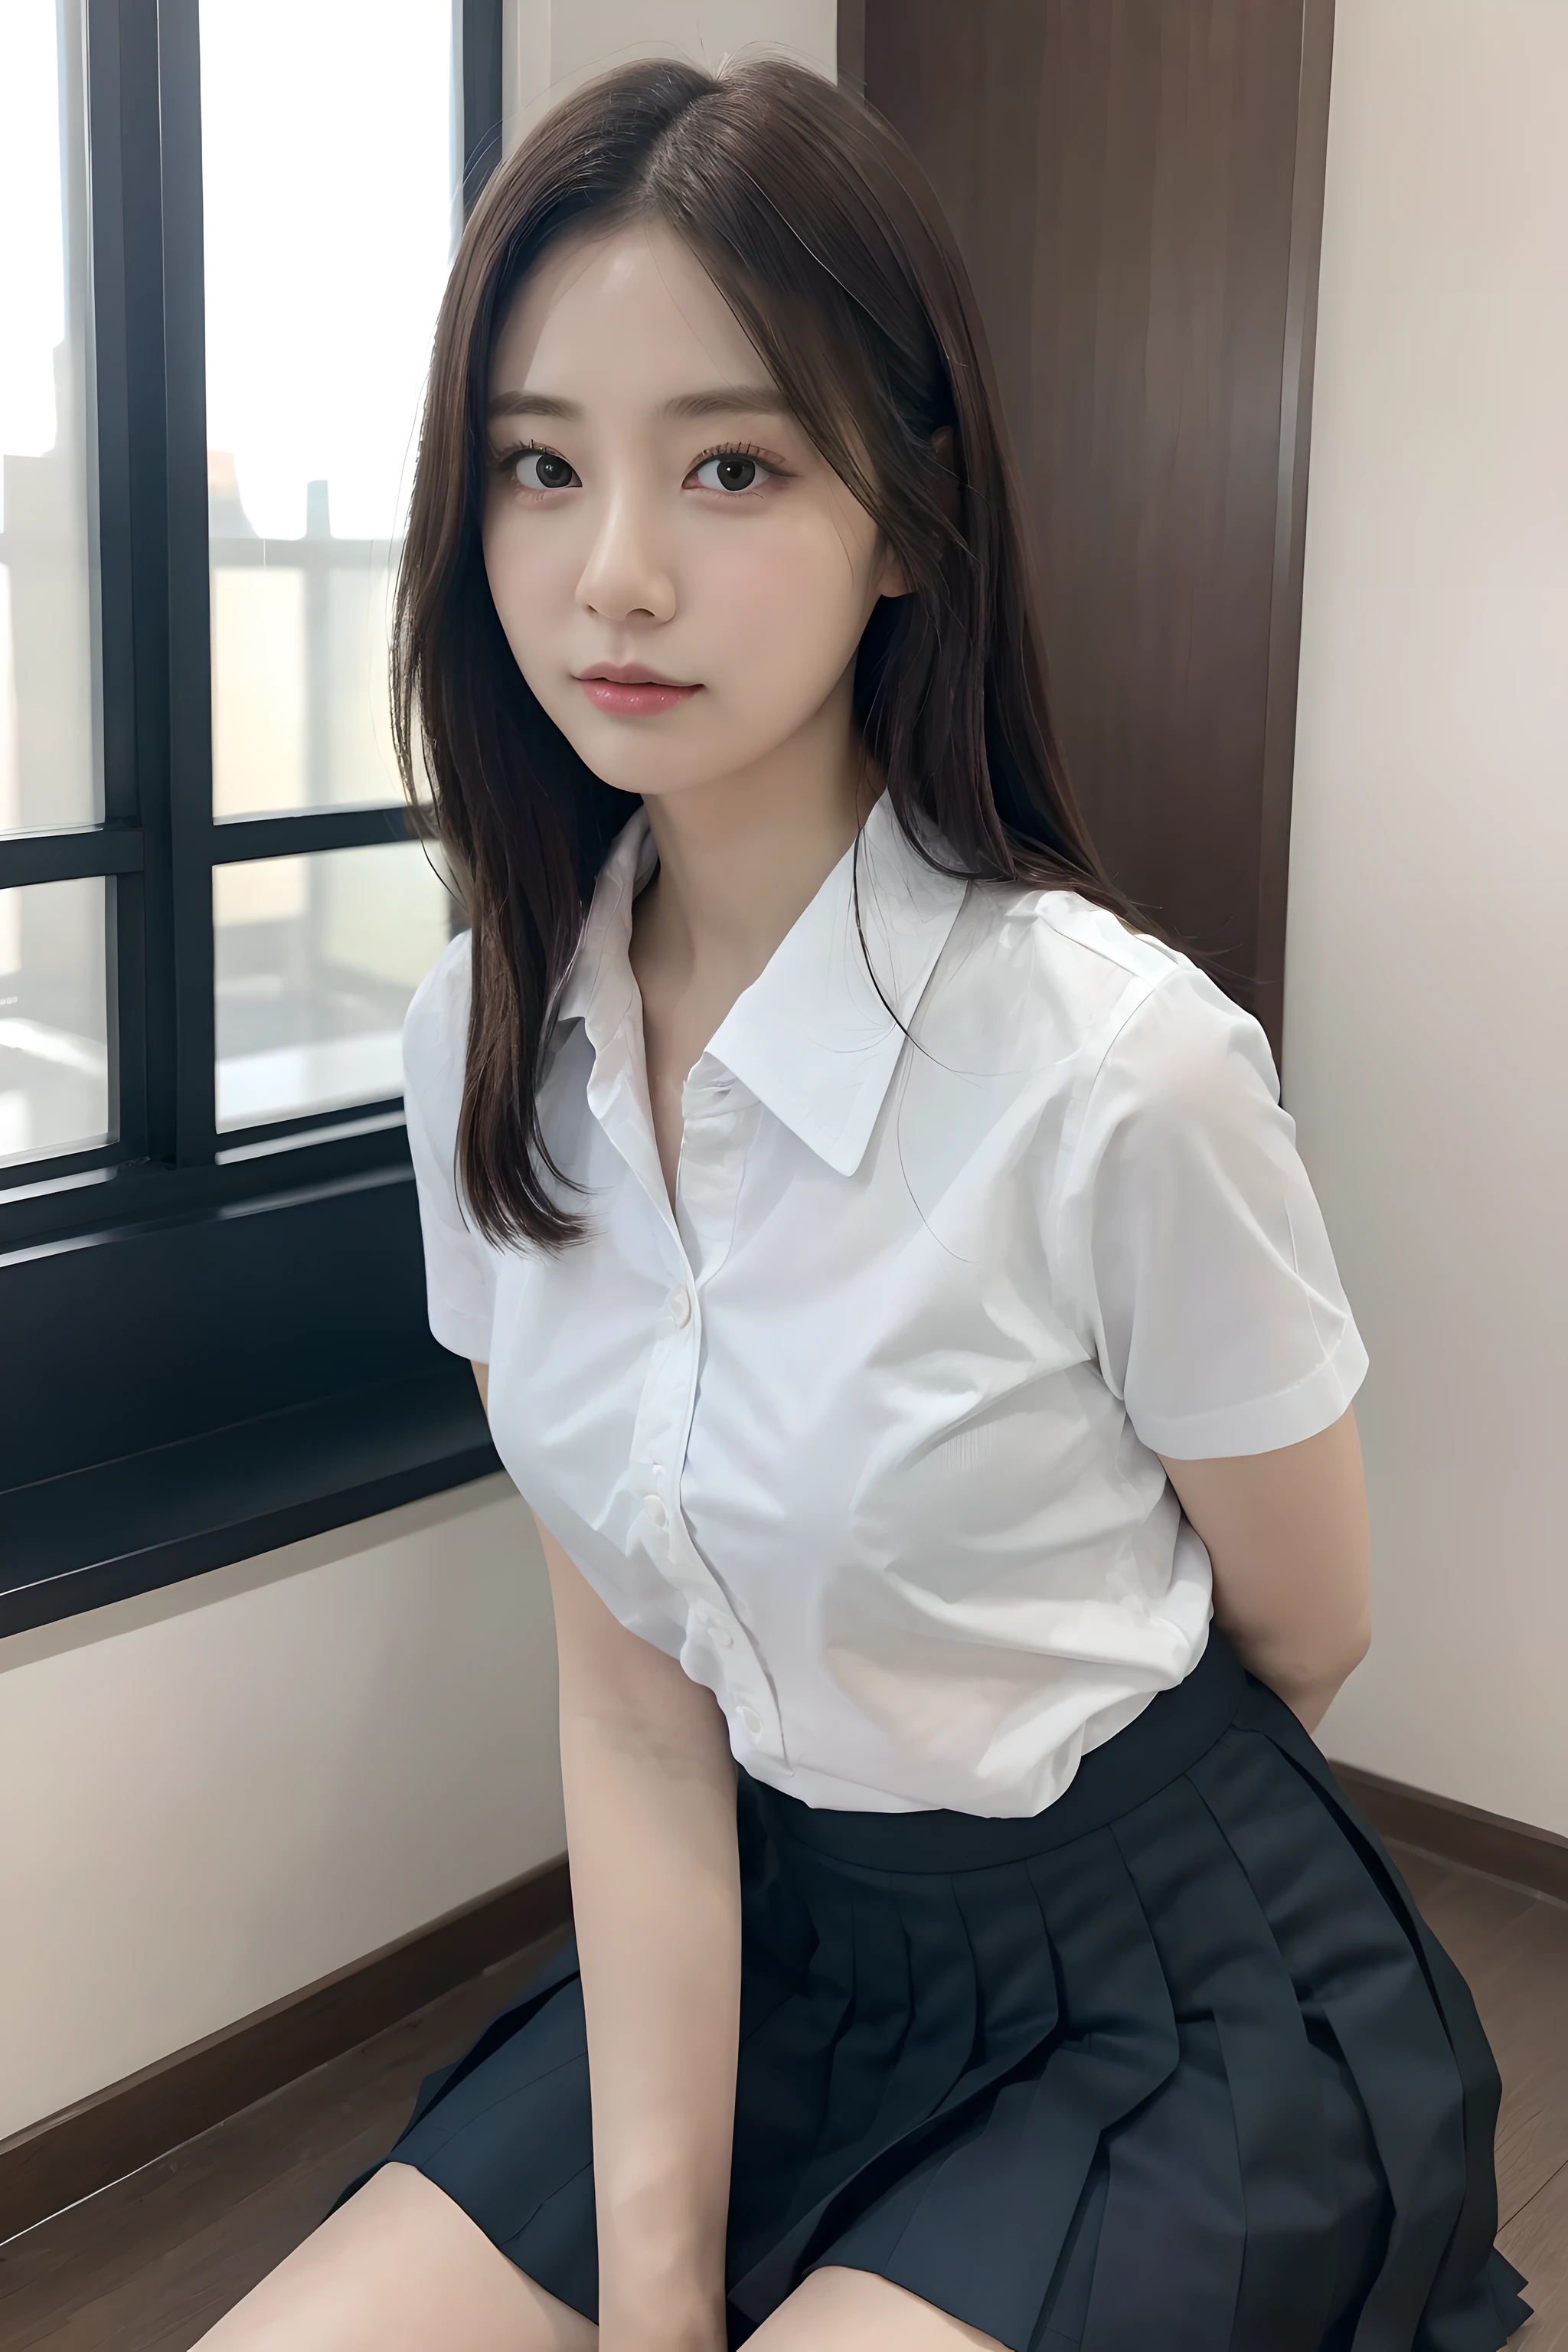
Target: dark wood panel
column 70, row 2155
column 1137, row 193
column 852, row 44
column 965, row 87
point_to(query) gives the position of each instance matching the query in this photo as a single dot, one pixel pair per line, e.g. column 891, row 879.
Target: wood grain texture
column 1290, row 509
column 1138, row 195
column 1511, row 1948
column 1441, row 1825
column 852, row 45
column 150, row 2263
column 73, row 2153
column 1536, row 2242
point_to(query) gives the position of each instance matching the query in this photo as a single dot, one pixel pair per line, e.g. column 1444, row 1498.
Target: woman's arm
column 650, row 1827
column 1292, row 1560
column 656, row 1895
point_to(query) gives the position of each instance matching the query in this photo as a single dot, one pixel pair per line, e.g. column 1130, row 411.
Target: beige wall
column 551, row 44
column 214, row 1795
column 1426, row 981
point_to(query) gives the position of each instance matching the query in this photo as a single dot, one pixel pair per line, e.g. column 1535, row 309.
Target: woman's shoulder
column 1083, row 982
column 1121, row 1031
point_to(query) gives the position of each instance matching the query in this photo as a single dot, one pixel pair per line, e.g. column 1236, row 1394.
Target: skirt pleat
column 1372, row 1996
column 1177, row 2064
column 1174, row 2232
column 1224, row 1968
column 1009, row 2185
column 1413, row 2043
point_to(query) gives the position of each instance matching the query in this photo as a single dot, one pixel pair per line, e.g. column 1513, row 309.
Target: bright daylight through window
column 54, row 1071
column 330, row 137
column 317, row 345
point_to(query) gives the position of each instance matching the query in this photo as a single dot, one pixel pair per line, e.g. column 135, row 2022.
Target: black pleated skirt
column 1174, row 2063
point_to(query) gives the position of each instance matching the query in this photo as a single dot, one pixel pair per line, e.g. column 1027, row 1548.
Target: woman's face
column 682, row 578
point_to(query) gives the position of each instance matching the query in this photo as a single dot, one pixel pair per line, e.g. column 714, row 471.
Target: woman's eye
column 730, row 473
column 541, row 469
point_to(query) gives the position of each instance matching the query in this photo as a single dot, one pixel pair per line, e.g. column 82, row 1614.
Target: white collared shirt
column 865, row 1432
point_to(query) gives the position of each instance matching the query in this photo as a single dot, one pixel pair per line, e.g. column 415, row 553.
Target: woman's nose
column 626, row 576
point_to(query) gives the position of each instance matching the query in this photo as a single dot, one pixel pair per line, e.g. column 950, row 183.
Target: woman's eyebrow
column 725, row 400
column 730, row 400
column 532, row 403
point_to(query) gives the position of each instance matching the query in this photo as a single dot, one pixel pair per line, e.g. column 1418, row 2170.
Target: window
column 224, row 233
column 321, row 284
column 53, row 1077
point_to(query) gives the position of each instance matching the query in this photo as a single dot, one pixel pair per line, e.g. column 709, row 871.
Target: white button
column 655, row 1509
column 723, row 1637
column 680, row 1307
column 751, row 1721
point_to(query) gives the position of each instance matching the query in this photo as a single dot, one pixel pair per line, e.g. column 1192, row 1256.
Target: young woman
column 901, row 1303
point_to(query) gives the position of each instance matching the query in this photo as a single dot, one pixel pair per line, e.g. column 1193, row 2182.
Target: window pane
column 323, row 275
column 317, row 959
column 49, row 765
column 54, row 1063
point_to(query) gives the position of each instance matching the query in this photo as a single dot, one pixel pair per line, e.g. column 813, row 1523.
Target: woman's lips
column 634, row 698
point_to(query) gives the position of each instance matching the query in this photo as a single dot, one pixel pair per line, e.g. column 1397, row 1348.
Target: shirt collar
column 810, row 1037
column 599, row 990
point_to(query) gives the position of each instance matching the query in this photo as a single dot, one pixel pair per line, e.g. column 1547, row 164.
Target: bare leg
column 400, row 2268
column 855, row 2311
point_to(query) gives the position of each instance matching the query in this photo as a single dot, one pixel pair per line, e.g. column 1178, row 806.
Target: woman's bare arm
column 1292, row 1560
column 650, row 1824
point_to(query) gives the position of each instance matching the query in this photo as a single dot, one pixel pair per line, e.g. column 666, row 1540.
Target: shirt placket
column 719, row 1117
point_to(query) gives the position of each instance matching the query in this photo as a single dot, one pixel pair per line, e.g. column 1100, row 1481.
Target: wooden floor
column 148, row 2265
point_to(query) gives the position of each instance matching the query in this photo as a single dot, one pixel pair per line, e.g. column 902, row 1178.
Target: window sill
column 100, row 1534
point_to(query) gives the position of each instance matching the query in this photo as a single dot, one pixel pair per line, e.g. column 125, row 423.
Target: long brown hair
column 816, row 226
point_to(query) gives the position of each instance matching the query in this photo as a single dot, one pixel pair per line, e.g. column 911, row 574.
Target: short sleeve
column 459, row 1271
column 1193, row 1250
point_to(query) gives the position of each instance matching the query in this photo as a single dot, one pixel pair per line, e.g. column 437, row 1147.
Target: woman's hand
column 650, row 1824
column 1291, row 1549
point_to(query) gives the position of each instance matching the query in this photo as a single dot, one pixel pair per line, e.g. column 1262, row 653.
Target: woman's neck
column 740, row 860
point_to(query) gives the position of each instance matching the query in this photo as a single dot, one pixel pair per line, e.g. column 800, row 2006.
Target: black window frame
column 213, row 1342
